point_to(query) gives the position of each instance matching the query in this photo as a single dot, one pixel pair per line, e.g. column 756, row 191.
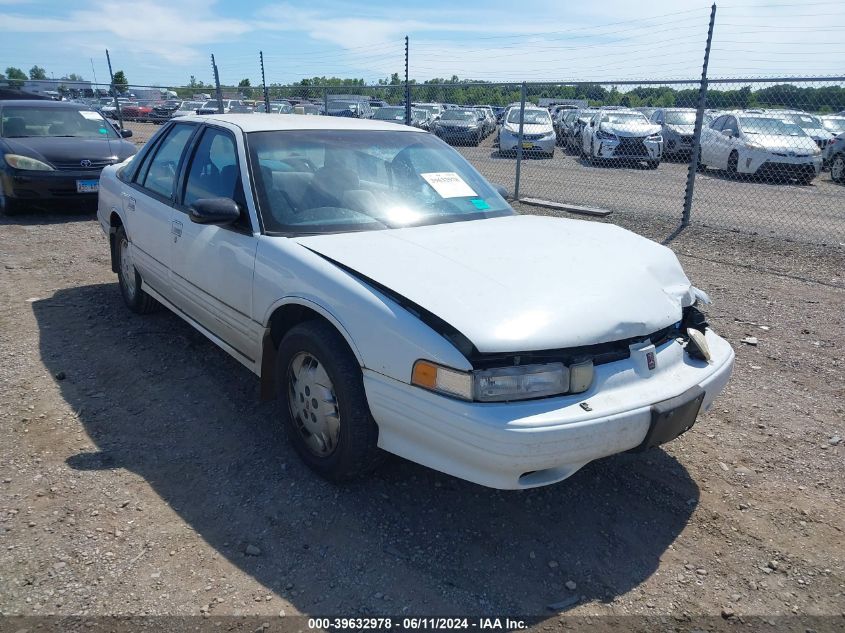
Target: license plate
column 673, row 417
column 87, row 186
column 528, row 146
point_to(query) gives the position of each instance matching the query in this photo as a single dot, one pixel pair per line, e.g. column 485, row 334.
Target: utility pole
column 264, row 84
column 114, row 92
column 94, row 72
column 699, row 119
column 217, row 86
column 407, row 87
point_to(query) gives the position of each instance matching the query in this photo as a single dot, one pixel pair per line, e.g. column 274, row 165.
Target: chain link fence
column 770, row 153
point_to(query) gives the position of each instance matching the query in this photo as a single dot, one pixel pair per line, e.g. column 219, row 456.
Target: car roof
column 274, row 122
column 70, row 105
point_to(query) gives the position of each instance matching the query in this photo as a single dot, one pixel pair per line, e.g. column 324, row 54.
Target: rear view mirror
column 214, row 211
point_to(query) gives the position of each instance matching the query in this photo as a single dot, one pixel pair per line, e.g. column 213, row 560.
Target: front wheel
column 128, row 278
column 653, row 164
column 837, row 168
column 325, row 408
column 733, row 163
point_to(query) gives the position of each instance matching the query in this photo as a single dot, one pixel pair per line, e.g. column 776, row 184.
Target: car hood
column 63, row 149
column 631, row 129
column 523, row 283
column 776, row 142
column 530, row 128
column 683, row 130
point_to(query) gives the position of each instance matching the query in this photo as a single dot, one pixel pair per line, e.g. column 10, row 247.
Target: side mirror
column 125, row 133
column 502, row 191
column 592, row 124
column 214, row 211
column 729, row 133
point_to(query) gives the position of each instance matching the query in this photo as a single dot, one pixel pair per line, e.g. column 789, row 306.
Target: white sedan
column 392, row 300
column 753, row 143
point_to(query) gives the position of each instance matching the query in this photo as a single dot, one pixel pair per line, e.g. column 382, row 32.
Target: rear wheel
column 128, row 278
column 837, row 168
column 325, row 408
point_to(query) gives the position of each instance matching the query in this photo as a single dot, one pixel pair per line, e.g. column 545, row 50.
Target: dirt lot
column 139, row 474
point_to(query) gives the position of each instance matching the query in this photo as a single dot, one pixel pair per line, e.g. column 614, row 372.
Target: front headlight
column 25, row 162
column 605, row 136
column 753, row 145
column 502, row 384
column 657, row 138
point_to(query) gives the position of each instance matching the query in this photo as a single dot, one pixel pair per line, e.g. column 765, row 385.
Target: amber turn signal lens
column 424, row 374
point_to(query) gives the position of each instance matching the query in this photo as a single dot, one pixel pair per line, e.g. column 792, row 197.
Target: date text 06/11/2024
column 416, row 623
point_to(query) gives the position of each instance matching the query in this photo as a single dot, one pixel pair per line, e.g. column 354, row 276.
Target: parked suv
column 677, row 127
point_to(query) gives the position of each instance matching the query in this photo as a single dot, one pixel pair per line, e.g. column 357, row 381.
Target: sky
column 159, row 42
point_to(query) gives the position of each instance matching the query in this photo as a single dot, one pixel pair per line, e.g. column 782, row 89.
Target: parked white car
column 622, row 135
column 538, row 133
column 392, row 299
column 760, row 143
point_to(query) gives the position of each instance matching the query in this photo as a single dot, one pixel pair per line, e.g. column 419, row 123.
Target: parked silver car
column 538, row 134
column 677, row 128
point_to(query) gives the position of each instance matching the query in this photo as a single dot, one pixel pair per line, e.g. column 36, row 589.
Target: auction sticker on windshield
column 91, row 116
column 449, row 184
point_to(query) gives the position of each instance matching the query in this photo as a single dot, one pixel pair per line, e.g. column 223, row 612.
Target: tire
column 309, row 355
column 653, row 164
column 733, row 162
column 837, row 169
column 128, row 278
column 551, row 154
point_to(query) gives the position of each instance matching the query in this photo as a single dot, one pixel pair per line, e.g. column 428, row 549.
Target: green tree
column 244, row 88
column 75, row 77
column 37, row 72
column 120, row 82
column 16, row 77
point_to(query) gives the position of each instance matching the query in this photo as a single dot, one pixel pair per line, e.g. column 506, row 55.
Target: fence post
column 407, row 87
column 264, row 84
column 114, row 92
column 519, row 142
column 326, row 101
column 217, row 86
column 699, row 120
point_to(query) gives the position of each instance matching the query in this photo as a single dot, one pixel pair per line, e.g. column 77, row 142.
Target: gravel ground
column 139, row 473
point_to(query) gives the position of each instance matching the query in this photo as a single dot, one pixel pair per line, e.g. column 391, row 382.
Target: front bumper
column 764, row 162
column 629, row 148
column 459, row 135
column 534, row 443
column 677, row 144
column 47, row 189
column 545, row 144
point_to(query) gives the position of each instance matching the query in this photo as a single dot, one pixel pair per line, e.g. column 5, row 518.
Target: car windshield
column 586, row 115
column 191, row 105
column 343, row 105
column 806, row 121
column 677, row 117
column 209, row 105
column 532, row 117
column 419, row 115
column 459, row 115
column 624, row 118
column 433, row 108
column 770, row 126
column 390, row 114
column 329, row 181
column 18, row 121
column 835, row 125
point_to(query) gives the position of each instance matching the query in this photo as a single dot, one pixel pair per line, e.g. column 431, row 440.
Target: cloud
column 170, row 32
